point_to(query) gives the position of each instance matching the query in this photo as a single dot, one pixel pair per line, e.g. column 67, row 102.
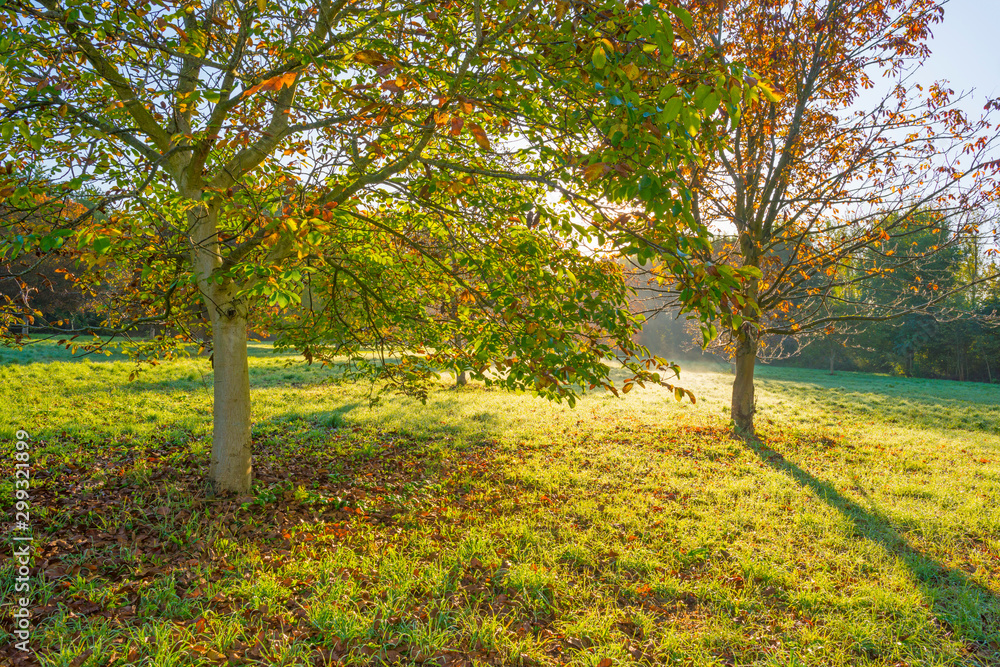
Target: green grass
column 488, row 528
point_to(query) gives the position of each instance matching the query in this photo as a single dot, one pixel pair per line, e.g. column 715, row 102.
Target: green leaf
column 683, row 15
column 102, row 245
column 711, row 103
column 600, row 59
column 671, row 109
column 700, row 93
column 667, row 92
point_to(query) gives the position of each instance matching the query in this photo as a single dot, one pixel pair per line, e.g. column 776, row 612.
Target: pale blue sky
column 966, row 49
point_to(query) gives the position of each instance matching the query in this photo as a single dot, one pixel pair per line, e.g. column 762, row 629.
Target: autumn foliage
column 826, row 182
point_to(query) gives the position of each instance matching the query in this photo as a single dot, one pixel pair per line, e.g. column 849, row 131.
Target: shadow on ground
column 949, row 592
column 132, row 519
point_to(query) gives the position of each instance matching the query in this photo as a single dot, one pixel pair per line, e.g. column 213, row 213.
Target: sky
column 966, row 49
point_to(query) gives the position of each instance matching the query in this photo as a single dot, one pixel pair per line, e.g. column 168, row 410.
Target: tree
column 252, row 152
column 817, row 182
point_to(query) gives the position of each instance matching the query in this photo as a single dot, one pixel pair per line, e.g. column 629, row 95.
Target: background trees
column 822, row 190
column 360, row 153
column 955, row 337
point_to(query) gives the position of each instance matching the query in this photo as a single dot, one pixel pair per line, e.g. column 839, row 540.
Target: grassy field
column 486, row 528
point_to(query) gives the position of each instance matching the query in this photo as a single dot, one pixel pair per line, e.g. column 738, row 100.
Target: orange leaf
column 275, row 83
column 281, row 81
column 769, row 92
column 479, row 134
column 391, row 86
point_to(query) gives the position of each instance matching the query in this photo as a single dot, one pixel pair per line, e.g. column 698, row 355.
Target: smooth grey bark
column 744, row 404
column 230, row 468
column 743, row 400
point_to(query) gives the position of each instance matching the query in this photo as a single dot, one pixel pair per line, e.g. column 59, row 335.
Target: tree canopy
column 383, row 160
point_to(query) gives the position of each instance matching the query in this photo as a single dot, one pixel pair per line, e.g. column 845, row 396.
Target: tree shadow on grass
column 135, row 521
column 958, row 602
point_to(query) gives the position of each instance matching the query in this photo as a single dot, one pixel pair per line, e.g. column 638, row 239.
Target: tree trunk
column 743, row 406
column 833, row 359
column 230, row 468
column 744, row 403
column 460, row 377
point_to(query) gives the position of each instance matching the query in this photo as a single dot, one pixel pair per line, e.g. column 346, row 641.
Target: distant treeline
column 956, row 337
column 965, row 349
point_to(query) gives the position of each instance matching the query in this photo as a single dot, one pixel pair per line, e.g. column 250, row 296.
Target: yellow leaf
column 769, row 92
column 631, row 71
column 370, row 57
column 261, row 5
column 593, row 172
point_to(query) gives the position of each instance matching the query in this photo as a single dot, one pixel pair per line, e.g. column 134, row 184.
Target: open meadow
column 485, row 528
